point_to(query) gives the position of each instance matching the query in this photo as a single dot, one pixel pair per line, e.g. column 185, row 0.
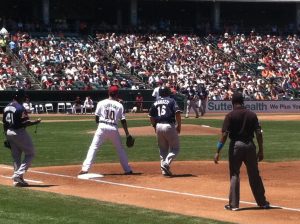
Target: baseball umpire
column 241, row 124
column 15, row 120
column 165, row 117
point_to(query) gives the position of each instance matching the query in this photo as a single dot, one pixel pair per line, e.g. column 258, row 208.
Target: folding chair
column 49, row 107
column 61, row 107
column 68, row 107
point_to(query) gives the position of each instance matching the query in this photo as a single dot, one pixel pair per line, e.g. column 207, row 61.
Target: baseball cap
column 113, row 90
column 164, row 91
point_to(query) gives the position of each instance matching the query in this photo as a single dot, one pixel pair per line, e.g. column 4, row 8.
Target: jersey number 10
column 110, row 114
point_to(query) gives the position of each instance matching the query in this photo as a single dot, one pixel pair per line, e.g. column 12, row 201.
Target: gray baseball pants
column 240, row 152
column 191, row 104
column 20, row 142
column 168, row 142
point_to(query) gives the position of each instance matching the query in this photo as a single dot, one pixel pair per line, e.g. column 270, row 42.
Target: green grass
column 31, row 207
column 60, row 143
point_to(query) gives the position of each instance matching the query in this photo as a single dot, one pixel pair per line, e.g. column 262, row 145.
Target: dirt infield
column 198, row 188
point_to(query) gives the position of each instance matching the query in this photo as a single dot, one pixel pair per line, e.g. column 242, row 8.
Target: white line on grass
column 154, row 189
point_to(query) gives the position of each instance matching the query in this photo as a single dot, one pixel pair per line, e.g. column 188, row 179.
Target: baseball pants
column 103, row 133
column 20, row 142
column 240, row 152
column 191, row 104
column 168, row 142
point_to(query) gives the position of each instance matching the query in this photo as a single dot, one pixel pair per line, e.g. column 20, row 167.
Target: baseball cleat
column 19, row 182
column 166, row 169
column 229, row 207
column 265, row 206
column 128, row 173
column 82, row 172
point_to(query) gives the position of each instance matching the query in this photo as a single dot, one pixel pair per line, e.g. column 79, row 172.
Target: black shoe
column 82, row 172
column 20, row 182
column 229, row 207
column 265, row 206
column 128, row 173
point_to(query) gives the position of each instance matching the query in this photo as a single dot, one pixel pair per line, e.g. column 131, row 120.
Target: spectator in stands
column 155, row 93
column 2, row 85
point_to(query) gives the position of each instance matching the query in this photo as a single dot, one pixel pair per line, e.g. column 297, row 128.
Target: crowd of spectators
column 10, row 76
column 263, row 67
column 67, row 63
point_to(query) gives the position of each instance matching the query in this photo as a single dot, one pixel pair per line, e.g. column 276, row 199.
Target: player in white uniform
column 108, row 113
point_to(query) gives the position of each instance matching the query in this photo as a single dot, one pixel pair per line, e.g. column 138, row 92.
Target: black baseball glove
column 130, row 141
column 6, row 144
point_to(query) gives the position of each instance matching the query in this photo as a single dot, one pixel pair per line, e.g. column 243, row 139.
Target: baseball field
column 196, row 194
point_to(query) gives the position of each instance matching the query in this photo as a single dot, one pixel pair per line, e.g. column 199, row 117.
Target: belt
column 171, row 123
column 105, row 122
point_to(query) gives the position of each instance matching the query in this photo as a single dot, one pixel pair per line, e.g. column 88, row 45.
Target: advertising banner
column 256, row 106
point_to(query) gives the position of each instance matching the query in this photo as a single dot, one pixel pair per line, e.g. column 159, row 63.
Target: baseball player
column 203, row 94
column 15, row 120
column 165, row 117
column 108, row 113
column 155, row 93
column 192, row 99
column 241, row 124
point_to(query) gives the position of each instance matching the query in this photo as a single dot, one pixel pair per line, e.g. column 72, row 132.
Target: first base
column 88, row 176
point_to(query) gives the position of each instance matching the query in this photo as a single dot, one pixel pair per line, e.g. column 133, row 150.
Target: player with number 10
column 108, row 113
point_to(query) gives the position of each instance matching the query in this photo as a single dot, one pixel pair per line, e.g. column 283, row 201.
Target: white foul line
column 28, row 180
column 157, row 189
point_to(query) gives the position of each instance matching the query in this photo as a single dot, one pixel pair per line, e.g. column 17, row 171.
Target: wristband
column 220, row 145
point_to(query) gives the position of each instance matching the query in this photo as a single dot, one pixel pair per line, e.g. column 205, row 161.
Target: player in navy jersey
column 15, row 120
column 165, row 117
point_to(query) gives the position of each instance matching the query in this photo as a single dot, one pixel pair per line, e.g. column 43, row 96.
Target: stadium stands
column 262, row 66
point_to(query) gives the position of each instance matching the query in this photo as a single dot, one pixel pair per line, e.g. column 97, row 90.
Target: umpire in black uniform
column 241, row 124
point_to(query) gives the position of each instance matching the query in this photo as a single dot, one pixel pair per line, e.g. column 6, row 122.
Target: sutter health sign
column 257, row 106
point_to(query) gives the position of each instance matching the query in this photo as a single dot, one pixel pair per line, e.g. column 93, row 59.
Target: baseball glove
column 6, row 144
column 130, row 141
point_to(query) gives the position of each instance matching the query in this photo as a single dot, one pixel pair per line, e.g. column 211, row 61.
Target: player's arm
column 28, row 123
column 97, row 118
column 153, row 122
column 97, row 113
column 259, row 138
column 124, row 125
column 178, row 120
column 152, row 116
column 223, row 138
column 220, row 145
